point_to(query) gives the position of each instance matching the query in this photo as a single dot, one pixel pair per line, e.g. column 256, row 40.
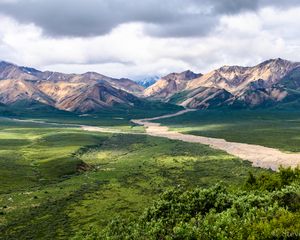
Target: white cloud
column 128, row 51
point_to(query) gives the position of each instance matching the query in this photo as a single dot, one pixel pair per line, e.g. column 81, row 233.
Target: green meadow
column 57, row 182
column 118, row 117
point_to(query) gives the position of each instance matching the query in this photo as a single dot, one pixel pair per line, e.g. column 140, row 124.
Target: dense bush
column 272, row 182
column 268, row 207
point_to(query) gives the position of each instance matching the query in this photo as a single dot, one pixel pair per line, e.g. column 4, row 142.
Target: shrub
column 268, row 209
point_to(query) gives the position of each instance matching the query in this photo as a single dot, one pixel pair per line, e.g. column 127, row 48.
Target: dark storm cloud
column 234, row 6
column 186, row 27
column 237, row 6
column 178, row 18
column 90, row 17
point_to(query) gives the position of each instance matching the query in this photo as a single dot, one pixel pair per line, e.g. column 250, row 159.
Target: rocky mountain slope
column 72, row 92
column 266, row 84
column 14, row 90
column 170, row 84
column 275, row 82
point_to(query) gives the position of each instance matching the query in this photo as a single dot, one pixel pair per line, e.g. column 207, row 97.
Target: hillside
column 71, row 92
column 169, row 85
column 273, row 82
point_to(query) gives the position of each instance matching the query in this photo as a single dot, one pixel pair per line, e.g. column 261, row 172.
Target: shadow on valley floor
column 40, row 180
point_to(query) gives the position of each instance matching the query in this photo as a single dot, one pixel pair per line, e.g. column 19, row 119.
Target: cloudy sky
column 134, row 38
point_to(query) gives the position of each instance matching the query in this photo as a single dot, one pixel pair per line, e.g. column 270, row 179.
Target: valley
column 260, row 156
column 149, row 120
column 93, row 177
column 271, row 128
column 82, row 153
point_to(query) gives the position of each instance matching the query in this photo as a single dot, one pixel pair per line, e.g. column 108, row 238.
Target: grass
column 117, row 117
column 271, row 128
column 55, row 182
column 30, row 156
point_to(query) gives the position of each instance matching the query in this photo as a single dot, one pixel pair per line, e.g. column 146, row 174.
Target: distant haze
column 135, row 38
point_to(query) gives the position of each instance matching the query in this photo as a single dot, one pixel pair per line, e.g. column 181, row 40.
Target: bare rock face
column 72, row 92
column 269, row 83
column 169, row 85
column 264, row 84
column 87, row 98
column 14, row 90
column 203, row 98
column 235, row 78
column 11, row 71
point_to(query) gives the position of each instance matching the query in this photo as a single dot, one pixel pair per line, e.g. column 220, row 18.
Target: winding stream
column 260, row 156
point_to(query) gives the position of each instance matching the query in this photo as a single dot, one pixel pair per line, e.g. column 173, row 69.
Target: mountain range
column 71, row 92
column 270, row 83
column 274, row 82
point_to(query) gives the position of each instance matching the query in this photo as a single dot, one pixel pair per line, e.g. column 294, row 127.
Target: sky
column 138, row 38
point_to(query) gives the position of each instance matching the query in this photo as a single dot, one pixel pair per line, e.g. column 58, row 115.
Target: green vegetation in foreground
column 57, row 183
column 271, row 128
column 267, row 207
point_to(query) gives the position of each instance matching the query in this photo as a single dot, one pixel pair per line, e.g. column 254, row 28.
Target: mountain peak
column 186, row 75
column 188, row 72
column 5, row 64
column 234, row 68
column 65, row 91
column 276, row 62
column 94, row 75
column 170, row 84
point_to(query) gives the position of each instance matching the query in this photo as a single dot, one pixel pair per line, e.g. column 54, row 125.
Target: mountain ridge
column 85, row 92
column 170, row 84
column 270, row 83
column 236, row 86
